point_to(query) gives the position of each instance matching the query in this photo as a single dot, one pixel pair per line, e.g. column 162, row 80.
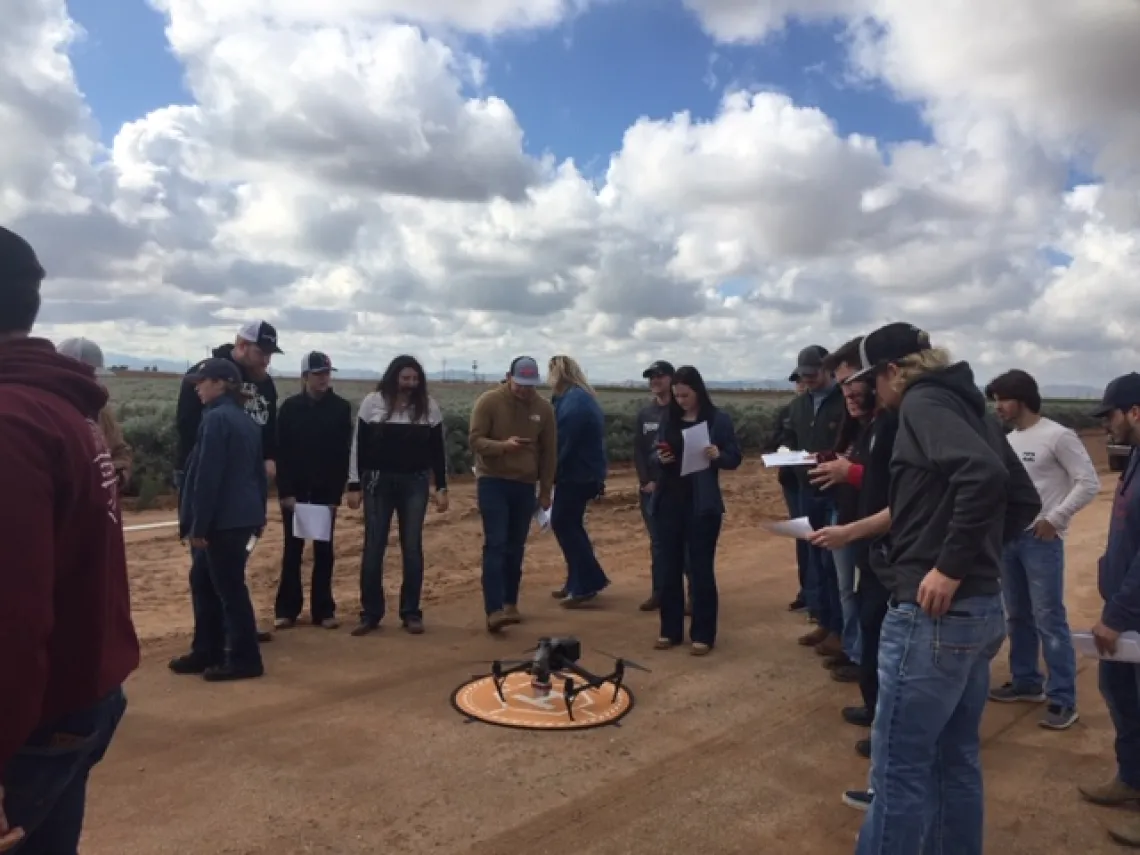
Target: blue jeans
column 45, row 783
column 584, row 575
column 792, row 500
column 1120, row 686
column 507, row 508
column 225, row 626
column 926, row 768
column 822, row 582
column 406, row 496
column 1033, row 582
column 849, row 607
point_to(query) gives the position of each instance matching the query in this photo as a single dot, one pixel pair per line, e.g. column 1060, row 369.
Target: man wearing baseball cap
column 89, row 353
column 314, row 438
column 1118, row 580
column 513, row 436
column 958, row 494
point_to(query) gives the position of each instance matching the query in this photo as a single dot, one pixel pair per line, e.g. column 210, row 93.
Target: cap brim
column 863, row 374
column 319, row 370
column 527, row 381
column 808, row 370
column 1102, row 411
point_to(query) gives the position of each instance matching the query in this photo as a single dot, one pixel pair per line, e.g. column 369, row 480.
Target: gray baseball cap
column 524, row 371
column 86, row 351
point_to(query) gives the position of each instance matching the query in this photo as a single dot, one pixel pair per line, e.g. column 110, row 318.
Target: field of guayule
column 146, row 406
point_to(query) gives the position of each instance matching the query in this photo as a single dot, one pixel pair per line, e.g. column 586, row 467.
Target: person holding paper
column 1118, row 580
column 580, row 478
column 397, row 464
column 221, row 508
column 314, row 440
column 688, row 509
column 1033, row 575
column 790, row 485
column 67, row 641
column 514, row 437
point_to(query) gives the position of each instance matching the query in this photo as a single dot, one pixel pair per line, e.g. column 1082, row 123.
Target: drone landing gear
column 571, row 690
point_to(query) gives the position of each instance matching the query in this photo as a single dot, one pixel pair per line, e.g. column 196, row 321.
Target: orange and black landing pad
column 528, row 709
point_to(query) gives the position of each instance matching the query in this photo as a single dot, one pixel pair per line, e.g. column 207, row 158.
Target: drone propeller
column 626, row 662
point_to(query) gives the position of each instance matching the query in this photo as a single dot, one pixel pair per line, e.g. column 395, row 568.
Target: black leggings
column 873, row 598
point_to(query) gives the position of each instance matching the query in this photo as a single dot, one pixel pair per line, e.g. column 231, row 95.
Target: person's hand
column 649, row 488
column 1105, row 639
column 516, row 443
column 289, row 502
column 198, row 543
column 665, row 453
column 353, row 501
column 271, row 468
column 9, row 836
column 712, row 452
column 831, row 473
column 1044, row 530
column 936, row 592
column 831, row 537
column 441, row 501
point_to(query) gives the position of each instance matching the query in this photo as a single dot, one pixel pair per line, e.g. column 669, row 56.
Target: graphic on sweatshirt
column 256, row 404
column 109, row 478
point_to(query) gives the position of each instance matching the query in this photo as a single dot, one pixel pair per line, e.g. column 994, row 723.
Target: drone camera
column 566, row 649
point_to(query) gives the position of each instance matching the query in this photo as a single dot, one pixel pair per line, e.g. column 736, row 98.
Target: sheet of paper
column 789, row 458
column 696, row 441
column 542, row 519
column 799, row 527
column 1127, row 647
column 312, row 522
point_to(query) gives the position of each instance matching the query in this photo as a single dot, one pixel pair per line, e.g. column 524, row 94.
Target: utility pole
column 475, row 371
column 445, row 371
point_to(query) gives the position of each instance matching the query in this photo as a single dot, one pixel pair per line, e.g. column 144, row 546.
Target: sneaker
column 365, row 627
column 651, row 605
column 572, row 601
column 858, row 716
column 1058, row 717
column 284, row 623
column 414, row 626
column 511, row 613
column 1008, row 694
column 561, row 593
column 328, row 623
column 858, row 799
column 699, row 648
column 664, row 644
column 1114, row 793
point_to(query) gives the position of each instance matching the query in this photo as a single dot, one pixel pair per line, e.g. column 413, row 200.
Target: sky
column 713, row 182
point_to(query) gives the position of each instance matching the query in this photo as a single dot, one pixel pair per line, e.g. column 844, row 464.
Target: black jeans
column 792, row 500
column 657, row 563
column 45, row 782
column 225, row 627
column 685, row 534
column 873, row 599
column 584, row 574
column 290, row 591
column 406, row 496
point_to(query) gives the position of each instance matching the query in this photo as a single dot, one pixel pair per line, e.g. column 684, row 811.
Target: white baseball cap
column 86, row 351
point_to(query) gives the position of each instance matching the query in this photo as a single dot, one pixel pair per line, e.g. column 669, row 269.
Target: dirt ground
column 350, row 745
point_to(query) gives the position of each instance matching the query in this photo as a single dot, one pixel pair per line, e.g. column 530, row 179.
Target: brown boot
column 814, row 637
column 496, row 621
column 1126, row 832
column 511, row 614
column 1115, row 793
column 651, row 605
column 831, row 645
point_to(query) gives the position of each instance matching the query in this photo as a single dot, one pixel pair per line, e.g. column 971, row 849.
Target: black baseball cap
column 794, row 377
column 215, row 369
column 1123, row 393
column 889, row 344
column 659, row 368
column 18, row 262
column 261, row 333
column 316, row 363
column 810, row 361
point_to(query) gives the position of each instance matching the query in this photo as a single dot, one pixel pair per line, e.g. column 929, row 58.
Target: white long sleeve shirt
column 1060, row 468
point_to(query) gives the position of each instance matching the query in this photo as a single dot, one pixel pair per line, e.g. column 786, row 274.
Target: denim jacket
column 707, row 498
column 581, row 438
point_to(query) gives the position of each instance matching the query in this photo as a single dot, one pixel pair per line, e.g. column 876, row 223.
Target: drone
column 558, row 657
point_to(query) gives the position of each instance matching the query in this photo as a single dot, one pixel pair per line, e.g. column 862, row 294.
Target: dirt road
column 350, row 745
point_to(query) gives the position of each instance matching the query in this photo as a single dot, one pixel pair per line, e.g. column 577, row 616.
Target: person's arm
column 572, row 421
column 212, row 454
column 1121, row 612
column 438, row 447
column 345, row 446
column 872, row 526
column 1022, row 501
column 976, row 474
column 641, row 451
column 269, row 433
column 547, row 453
column 478, row 435
column 724, row 438
column 1074, row 459
column 187, row 419
column 121, row 453
column 286, row 477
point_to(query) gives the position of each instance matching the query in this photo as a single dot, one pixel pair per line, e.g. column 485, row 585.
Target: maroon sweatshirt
column 66, row 635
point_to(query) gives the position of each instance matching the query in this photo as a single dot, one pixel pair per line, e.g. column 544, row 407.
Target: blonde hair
column 919, row 364
column 564, row 372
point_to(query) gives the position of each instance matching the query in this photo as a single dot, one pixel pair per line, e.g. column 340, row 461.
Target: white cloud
column 344, row 169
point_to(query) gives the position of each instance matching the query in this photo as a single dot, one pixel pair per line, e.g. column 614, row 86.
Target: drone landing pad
column 526, row 709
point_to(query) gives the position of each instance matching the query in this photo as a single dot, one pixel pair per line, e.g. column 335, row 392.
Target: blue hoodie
column 581, row 438
column 1118, row 573
column 225, row 486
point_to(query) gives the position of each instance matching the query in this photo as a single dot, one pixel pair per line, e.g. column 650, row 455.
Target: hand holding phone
column 517, row 442
column 665, row 452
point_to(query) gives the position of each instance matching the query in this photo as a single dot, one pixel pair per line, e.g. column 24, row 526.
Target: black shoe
column 846, row 673
column 414, row 626
column 227, row 673
column 560, row 594
column 858, row 716
column 863, row 748
column 858, row 799
column 190, row 664
column 651, row 605
column 263, row 636
column 797, row 605
column 365, row 627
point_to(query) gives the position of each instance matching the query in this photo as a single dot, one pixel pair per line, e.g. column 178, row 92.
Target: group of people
column 934, row 533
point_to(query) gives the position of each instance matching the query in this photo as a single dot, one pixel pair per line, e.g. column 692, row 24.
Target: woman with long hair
column 397, row 452
column 580, row 477
column 688, row 510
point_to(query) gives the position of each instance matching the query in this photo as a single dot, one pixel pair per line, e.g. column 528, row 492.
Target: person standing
column 314, row 440
column 122, row 456
column 789, row 485
column 660, row 377
column 514, row 437
column 67, row 641
column 580, row 478
column 398, row 450
column 221, row 509
column 252, row 351
column 814, row 420
column 689, row 510
column 957, row 494
column 1033, row 576
column 1118, row 579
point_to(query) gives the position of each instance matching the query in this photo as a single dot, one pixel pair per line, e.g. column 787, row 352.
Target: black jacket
column 262, row 408
column 314, row 438
column 787, row 475
column 873, row 450
column 808, row 430
column 649, row 419
column 958, row 492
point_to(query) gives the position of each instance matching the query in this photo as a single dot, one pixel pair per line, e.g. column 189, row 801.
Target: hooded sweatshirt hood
column 959, row 379
column 34, row 362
